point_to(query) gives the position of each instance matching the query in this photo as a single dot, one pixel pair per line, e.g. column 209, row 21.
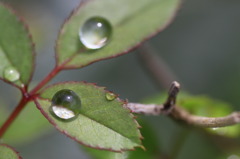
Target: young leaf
column 6, row 152
column 204, row 106
column 29, row 125
column 16, row 49
column 102, row 124
column 132, row 22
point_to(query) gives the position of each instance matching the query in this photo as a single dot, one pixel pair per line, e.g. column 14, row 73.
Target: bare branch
column 146, row 109
column 181, row 114
column 162, row 75
column 153, row 109
column 209, row 122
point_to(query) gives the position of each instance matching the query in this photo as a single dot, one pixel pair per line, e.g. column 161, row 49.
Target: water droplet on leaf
column 95, row 33
column 11, row 74
column 66, row 104
column 110, row 96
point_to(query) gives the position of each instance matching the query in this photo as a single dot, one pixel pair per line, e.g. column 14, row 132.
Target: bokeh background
column 201, row 48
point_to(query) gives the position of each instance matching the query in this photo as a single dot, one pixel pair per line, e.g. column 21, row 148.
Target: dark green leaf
column 132, row 23
column 101, row 124
column 7, row 152
column 16, row 47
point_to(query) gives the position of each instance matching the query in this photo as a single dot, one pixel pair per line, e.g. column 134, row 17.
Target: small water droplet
column 95, row 33
column 110, row 96
column 11, row 74
column 66, row 104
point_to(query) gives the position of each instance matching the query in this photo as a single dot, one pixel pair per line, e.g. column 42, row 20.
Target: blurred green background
column 201, row 47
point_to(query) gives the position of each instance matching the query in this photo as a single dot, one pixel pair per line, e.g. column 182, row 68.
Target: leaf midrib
column 48, row 100
column 119, row 24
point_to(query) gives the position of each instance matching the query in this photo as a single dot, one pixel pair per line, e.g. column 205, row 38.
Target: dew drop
column 11, row 74
column 95, row 33
column 66, row 104
column 110, row 96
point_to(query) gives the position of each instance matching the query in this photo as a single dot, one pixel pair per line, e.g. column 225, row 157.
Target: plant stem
column 52, row 74
column 13, row 116
column 180, row 114
column 26, row 97
column 154, row 109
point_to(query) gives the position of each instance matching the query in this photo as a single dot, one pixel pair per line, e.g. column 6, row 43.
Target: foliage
column 8, row 153
column 104, row 122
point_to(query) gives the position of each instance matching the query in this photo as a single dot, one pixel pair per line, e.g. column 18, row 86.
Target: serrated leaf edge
column 17, row 153
column 74, row 138
column 75, row 11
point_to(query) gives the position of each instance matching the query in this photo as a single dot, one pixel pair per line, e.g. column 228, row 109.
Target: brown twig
column 154, row 109
column 181, row 114
column 209, row 122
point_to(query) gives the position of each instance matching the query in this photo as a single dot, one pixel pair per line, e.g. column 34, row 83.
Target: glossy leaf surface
column 101, row 124
column 132, row 22
column 16, row 47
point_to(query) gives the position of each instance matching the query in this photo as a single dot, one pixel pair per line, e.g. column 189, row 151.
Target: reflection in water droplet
column 66, row 104
column 233, row 157
column 63, row 112
column 11, row 74
column 110, row 96
column 95, row 33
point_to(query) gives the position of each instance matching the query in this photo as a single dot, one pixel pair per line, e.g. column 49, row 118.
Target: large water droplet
column 95, row 33
column 66, row 104
column 11, row 74
column 110, row 96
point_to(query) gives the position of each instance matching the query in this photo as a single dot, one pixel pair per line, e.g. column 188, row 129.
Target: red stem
column 53, row 73
column 26, row 98
column 13, row 116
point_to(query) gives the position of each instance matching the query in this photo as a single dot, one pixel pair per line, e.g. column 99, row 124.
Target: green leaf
column 16, row 47
column 101, row 124
column 203, row 106
column 6, row 152
column 149, row 142
column 132, row 23
column 29, row 125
